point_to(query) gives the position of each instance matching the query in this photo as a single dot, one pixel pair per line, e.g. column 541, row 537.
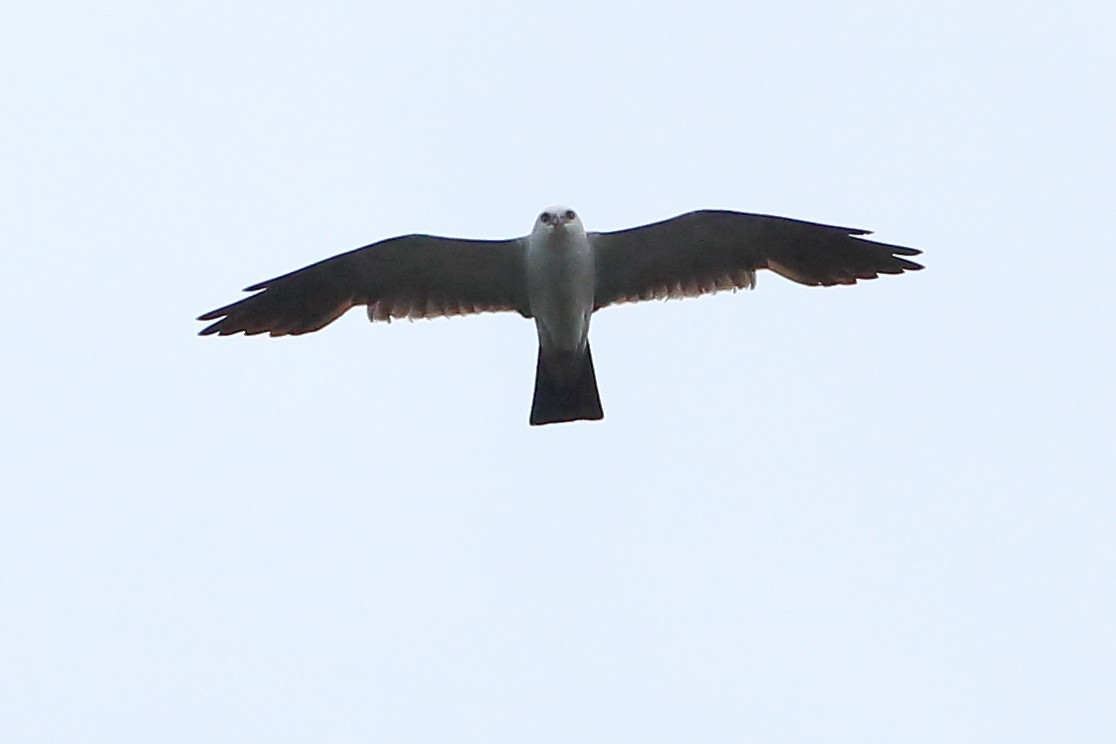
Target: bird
column 559, row 275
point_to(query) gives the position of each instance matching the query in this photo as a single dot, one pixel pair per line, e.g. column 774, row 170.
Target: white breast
column 560, row 285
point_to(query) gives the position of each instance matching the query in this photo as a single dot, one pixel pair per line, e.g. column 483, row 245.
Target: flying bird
column 559, row 275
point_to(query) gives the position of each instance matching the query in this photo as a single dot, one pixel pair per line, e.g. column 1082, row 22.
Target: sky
column 872, row 513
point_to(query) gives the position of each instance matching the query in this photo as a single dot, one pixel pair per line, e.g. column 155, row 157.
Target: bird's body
column 561, row 281
column 559, row 275
column 561, row 287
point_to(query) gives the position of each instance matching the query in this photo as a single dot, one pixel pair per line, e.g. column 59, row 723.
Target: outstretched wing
column 706, row 251
column 413, row 276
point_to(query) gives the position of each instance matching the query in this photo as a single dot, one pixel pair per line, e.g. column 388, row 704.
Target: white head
column 556, row 220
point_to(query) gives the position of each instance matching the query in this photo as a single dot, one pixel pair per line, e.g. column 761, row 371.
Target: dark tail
column 565, row 388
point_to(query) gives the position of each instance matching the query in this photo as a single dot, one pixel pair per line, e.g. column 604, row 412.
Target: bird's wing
column 413, row 276
column 706, row 251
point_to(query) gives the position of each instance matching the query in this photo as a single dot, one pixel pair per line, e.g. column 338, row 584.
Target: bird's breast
column 560, row 285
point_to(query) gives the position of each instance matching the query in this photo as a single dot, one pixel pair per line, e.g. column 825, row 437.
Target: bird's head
column 555, row 220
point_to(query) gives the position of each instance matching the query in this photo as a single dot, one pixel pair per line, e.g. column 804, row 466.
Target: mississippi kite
column 559, row 275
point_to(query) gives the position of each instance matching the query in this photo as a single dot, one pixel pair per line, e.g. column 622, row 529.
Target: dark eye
column 545, row 218
column 570, row 214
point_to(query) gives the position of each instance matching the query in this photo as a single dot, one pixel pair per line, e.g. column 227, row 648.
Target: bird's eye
column 570, row 214
column 545, row 218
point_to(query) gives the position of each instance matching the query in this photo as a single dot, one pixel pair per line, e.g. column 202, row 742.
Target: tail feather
column 565, row 388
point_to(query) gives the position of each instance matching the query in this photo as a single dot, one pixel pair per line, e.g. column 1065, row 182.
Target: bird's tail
column 565, row 388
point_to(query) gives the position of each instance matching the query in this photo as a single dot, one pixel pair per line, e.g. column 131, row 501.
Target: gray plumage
column 559, row 275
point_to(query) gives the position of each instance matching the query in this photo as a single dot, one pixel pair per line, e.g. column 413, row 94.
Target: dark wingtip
column 895, row 251
column 218, row 315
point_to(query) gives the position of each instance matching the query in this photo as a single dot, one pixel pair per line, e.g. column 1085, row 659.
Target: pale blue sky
column 880, row 513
